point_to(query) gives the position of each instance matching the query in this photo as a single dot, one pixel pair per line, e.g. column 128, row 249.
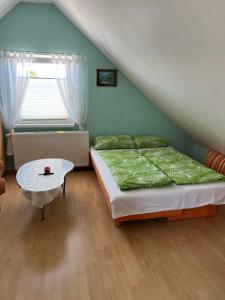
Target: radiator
column 71, row 145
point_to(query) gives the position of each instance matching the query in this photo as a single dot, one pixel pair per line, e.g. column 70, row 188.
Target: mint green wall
column 124, row 109
column 200, row 153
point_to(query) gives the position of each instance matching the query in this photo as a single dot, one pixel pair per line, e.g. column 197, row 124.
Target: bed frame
column 197, row 212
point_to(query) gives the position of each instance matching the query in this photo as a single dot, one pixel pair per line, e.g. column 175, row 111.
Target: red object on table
column 47, row 170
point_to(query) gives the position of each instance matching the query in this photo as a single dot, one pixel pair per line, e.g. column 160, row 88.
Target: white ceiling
column 174, row 51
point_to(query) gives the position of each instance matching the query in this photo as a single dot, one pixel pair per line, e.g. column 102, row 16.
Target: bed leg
column 116, row 222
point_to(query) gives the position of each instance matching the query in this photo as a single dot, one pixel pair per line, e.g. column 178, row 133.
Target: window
column 43, row 103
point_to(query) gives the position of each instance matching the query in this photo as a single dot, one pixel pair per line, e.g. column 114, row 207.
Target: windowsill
column 59, row 125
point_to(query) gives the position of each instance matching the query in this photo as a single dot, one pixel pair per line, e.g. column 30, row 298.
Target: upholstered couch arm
column 2, row 185
column 2, row 181
column 2, row 168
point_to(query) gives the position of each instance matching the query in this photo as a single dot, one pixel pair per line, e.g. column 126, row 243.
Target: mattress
column 141, row 201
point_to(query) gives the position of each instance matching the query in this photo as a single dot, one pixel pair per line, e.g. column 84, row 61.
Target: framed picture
column 106, row 77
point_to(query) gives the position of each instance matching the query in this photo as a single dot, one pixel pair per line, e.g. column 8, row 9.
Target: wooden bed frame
column 197, row 212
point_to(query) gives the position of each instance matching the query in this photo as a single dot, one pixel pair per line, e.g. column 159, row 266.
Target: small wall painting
column 106, row 77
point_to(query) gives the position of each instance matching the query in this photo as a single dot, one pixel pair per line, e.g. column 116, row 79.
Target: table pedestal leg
column 43, row 213
column 64, row 186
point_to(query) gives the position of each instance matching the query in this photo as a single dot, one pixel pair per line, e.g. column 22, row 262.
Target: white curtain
column 72, row 81
column 13, row 85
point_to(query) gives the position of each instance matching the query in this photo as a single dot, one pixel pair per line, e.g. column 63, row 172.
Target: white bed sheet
column 151, row 200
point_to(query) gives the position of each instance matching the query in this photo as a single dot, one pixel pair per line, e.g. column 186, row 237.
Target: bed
column 172, row 202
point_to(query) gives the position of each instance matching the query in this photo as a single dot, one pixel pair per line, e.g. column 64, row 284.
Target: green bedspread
column 132, row 170
column 181, row 168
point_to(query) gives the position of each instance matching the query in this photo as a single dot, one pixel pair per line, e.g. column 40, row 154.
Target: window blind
column 43, row 101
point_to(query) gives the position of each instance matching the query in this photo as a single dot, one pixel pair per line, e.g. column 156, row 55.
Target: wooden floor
column 78, row 253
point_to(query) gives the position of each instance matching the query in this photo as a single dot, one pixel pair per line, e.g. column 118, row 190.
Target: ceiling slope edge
column 6, row 6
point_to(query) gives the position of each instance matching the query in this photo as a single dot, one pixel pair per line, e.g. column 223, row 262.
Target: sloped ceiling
column 174, row 51
column 5, row 6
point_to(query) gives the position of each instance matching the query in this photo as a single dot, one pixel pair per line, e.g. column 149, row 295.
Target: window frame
column 44, row 123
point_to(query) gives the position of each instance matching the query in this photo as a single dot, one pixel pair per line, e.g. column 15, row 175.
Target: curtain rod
column 40, row 52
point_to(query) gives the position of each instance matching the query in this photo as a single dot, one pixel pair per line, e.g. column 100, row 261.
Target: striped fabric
column 216, row 161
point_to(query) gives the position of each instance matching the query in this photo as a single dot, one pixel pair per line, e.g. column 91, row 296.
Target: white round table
column 41, row 189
